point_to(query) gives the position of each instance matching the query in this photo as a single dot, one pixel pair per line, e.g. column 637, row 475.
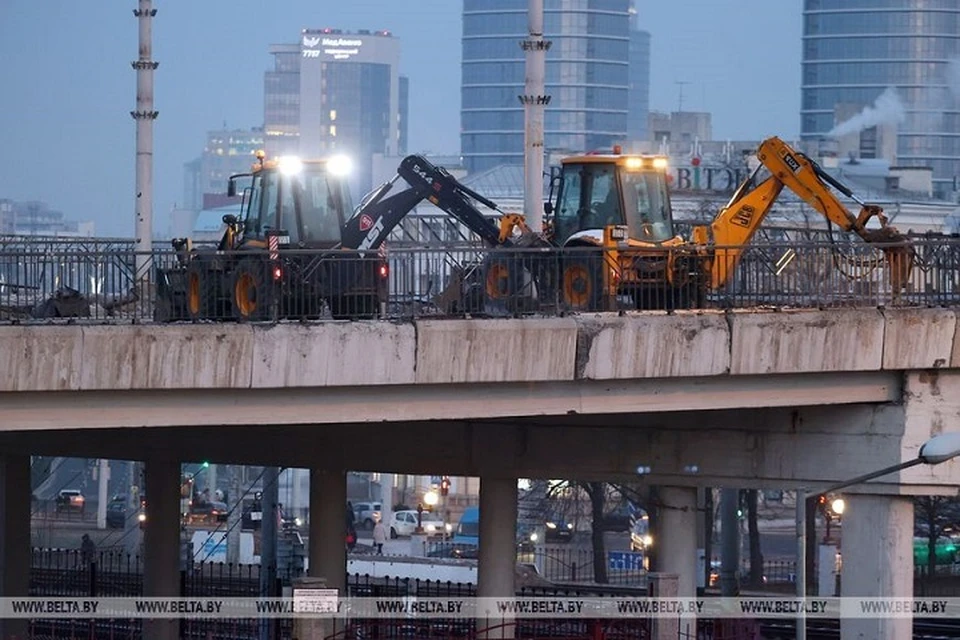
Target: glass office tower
column 587, row 78
column 853, row 50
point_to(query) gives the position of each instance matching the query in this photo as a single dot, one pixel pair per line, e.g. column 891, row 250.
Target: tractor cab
column 626, row 194
column 305, row 203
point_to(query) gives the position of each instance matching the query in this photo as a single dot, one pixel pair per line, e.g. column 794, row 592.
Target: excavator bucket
column 899, row 254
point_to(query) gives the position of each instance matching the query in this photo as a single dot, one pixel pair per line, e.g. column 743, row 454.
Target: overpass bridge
column 748, row 397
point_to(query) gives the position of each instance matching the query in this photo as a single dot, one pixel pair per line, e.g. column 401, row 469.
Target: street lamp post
column 934, row 451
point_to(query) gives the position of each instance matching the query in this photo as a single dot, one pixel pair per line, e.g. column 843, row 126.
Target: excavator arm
column 370, row 226
column 737, row 223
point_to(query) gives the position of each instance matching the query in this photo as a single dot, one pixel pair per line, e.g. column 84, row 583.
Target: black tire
column 393, row 533
column 354, row 307
column 251, row 292
column 581, row 282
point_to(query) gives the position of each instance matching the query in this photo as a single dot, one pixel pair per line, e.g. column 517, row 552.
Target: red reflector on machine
column 384, row 270
column 277, row 273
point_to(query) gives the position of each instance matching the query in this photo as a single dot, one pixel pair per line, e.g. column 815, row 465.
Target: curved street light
column 936, row 450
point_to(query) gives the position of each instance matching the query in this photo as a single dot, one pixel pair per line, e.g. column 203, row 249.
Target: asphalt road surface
column 778, row 545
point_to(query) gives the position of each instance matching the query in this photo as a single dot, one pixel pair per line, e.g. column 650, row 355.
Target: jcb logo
column 791, row 162
column 743, row 217
column 369, row 239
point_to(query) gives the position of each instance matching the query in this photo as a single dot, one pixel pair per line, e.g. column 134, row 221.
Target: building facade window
column 853, row 50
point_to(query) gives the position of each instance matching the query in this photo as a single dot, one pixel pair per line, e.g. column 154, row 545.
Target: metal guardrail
column 105, row 286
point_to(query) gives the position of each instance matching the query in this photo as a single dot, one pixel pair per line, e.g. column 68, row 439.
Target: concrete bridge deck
column 75, row 376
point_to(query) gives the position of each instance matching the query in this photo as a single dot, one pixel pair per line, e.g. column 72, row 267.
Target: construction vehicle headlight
column 142, row 517
column 647, row 540
column 339, row 165
column 534, row 537
column 659, row 163
column 633, row 163
column 290, row 165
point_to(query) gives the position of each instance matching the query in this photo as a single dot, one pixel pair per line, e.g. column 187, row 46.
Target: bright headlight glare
column 339, row 165
column 290, row 165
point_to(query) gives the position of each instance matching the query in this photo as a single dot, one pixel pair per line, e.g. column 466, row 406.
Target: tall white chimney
column 144, row 116
column 535, row 101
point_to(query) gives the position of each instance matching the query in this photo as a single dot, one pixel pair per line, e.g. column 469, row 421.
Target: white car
column 404, row 523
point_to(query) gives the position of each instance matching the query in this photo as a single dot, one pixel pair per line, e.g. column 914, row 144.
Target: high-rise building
column 588, row 78
column 855, row 50
column 226, row 152
column 337, row 92
column 638, row 96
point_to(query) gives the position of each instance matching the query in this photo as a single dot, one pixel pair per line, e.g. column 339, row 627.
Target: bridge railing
column 117, row 285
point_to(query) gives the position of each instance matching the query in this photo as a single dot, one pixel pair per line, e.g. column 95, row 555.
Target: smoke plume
column 885, row 110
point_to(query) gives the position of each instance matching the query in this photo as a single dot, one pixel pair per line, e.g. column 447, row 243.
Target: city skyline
column 68, row 120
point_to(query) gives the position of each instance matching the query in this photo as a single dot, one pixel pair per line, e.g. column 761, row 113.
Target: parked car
column 117, row 512
column 366, row 514
column 207, row 513
column 557, row 529
column 69, row 500
column 404, row 523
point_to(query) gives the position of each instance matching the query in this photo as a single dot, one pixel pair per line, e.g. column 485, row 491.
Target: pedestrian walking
column 87, row 550
column 379, row 536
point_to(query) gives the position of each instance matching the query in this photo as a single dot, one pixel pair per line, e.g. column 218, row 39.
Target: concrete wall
column 362, row 354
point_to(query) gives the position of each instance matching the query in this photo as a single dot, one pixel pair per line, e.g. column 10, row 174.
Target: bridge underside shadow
column 773, row 447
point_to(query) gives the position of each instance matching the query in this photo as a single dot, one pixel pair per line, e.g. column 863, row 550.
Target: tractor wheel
column 200, row 296
column 251, row 293
column 581, row 283
column 503, row 290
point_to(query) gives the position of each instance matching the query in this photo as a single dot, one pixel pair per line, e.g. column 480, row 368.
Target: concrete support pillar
column 496, row 572
column 161, row 542
column 14, row 537
column 386, row 498
column 328, row 527
column 678, row 537
column 877, row 561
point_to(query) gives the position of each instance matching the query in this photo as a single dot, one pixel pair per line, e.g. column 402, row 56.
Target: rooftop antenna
column 144, row 117
column 681, row 83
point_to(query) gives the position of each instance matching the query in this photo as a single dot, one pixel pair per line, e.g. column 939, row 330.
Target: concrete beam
column 457, row 351
column 761, row 448
column 397, row 403
column 806, row 341
column 918, row 338
column 333, row 355
column 653, row 346
column 47, row 359
column 203, row 356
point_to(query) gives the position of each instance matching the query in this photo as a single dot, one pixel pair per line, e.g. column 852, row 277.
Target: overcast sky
column 67, row 87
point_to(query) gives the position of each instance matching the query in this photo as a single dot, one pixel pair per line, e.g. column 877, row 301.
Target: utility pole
column 103, row 477
column 729, row 542
column 234, row 518
column 131, row 526
column 268, row 543
column 144, row 115
column 534, row 101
